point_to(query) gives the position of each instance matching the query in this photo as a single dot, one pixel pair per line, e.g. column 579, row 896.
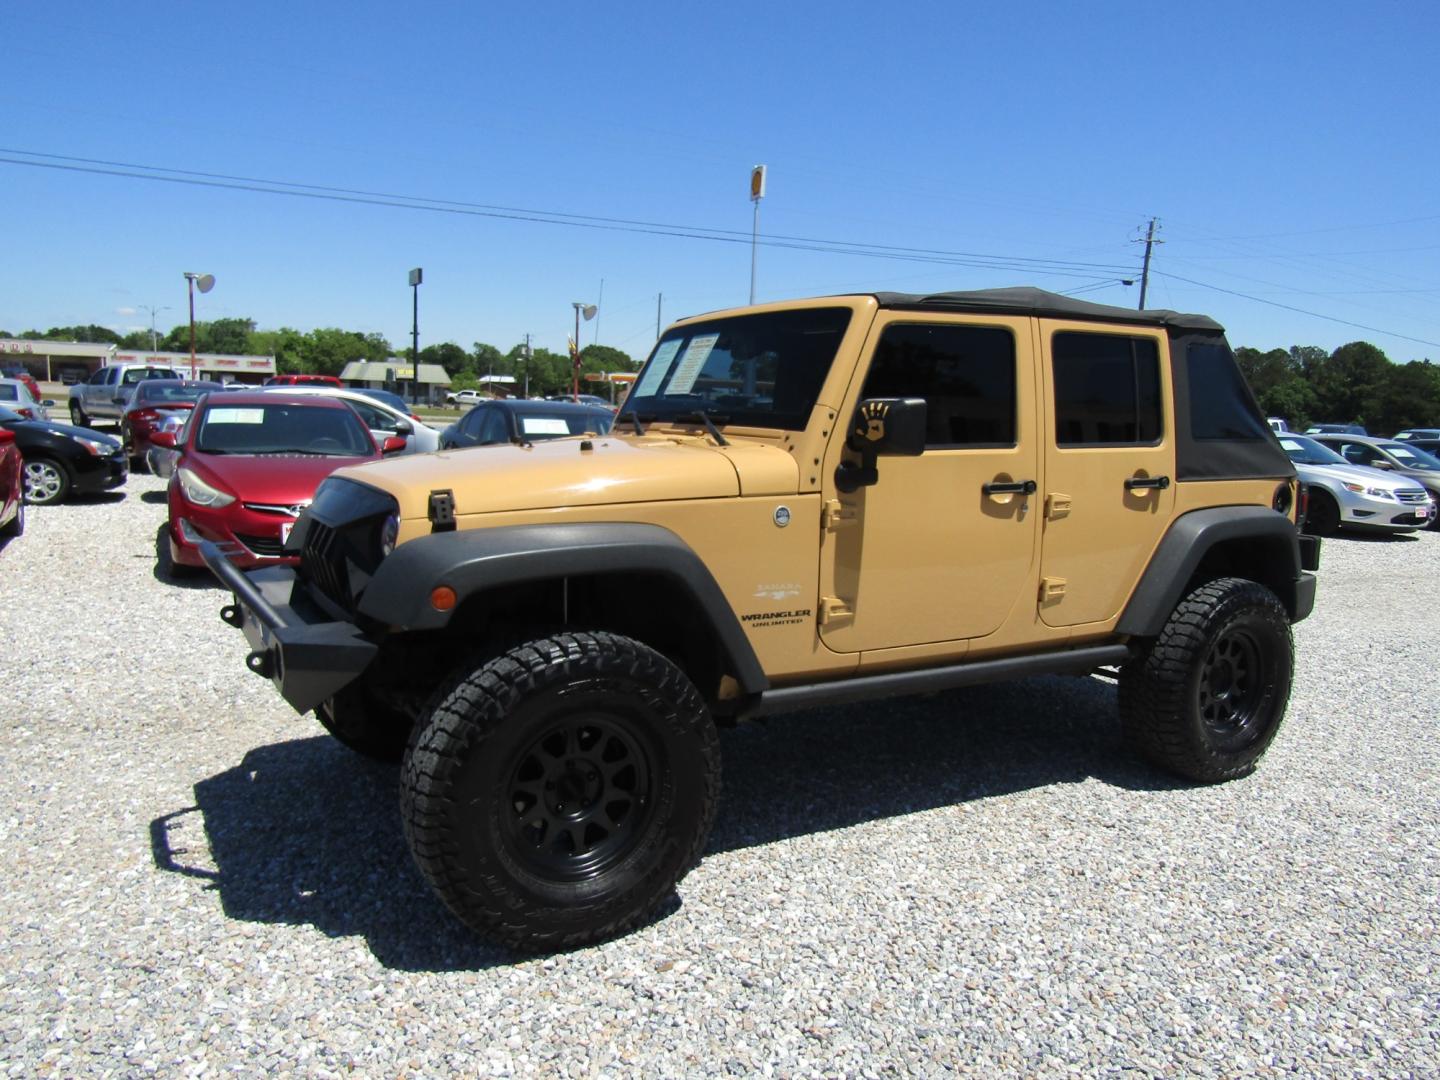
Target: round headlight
column 389, row 533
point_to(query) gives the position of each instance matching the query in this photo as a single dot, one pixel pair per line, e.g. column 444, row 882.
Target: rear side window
column 1107, row 390
column 966, row 374
column 1220, row 404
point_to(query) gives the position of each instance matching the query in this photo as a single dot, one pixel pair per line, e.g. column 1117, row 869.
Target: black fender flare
column 1186, row 543
column 472, row 560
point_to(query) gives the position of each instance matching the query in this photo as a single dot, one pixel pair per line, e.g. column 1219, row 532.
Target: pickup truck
column 104, row 395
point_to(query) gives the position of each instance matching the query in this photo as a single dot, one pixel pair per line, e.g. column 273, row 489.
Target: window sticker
column 658, row 369
column 235, row 416
column 1291, row 444
column 688, row 370
column 543, row 425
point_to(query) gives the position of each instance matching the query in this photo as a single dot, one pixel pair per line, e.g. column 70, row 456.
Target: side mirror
column 1381, row 463
column 393, row 444
column 49, row 403
column 404, row 427
column 164, row 439
column 881, row 426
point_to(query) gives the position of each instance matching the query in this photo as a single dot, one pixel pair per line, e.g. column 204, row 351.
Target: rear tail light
column 1302, row 503
column 148, row 415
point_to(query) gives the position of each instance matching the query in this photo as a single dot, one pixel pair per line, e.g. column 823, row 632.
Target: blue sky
column 1288, row 151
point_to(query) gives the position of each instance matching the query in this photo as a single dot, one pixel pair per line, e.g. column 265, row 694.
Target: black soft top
column 1025, row 300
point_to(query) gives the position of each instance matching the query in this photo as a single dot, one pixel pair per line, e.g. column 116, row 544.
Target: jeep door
column 932, row 552
column 1109, row 465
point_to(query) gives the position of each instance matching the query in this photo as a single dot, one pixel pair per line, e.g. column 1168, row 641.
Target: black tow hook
column 262, row 663
column 230, row 614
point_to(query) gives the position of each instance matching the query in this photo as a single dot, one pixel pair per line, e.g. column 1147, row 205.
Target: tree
column 218, row 336
column 1408, row 397
column 78, row 333
column 1348, row 383
column 448, row 355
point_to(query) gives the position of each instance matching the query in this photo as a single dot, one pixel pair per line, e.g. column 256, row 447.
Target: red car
column 249, row 463
column 12, row 503
column 157, row 405
column 303, row 380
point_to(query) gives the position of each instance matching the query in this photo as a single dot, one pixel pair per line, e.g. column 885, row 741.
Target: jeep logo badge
column 782, row 516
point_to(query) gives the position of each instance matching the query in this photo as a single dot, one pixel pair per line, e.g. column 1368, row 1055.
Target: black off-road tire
column 1322, row 518
column 1208, row 695
column 554, row 796
column 361, row 723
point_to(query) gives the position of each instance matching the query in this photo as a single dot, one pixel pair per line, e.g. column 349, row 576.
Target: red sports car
column 157, row 405
column 12, row 503
column 249, row 463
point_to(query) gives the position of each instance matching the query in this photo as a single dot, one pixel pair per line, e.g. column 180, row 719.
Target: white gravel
column 196, row 881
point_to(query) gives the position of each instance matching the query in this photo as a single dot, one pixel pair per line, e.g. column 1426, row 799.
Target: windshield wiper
column 634, row 417
column 704, row 418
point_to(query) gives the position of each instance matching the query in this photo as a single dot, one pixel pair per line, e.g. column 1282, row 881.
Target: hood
column 71, row 430
column 1357, row 474
column 558, row 472
column 269, row 478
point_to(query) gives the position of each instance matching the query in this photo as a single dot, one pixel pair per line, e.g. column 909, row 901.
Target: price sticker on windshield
column 658, row 368
column 688, row 370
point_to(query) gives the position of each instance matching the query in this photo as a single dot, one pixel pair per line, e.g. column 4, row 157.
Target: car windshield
column 542, row 423
column 395, row 401
column 1309, row 452
column 1412, row 457
column 761, row 370
column 160, row 391
column 282, row 428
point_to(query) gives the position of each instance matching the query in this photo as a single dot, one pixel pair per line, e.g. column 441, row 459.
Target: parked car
column 105, row 394
column 1430, row 446
column 303, row 380
column 15, row 395
column 62, row 460
column 153, row 403
column 466, row 397
column 395, row 401
column 1277, row 424
column 249, row 463
column 1334, row 429
column 1401, row 458
column 510, row 420
column 12, row 491
column 16, row 371
column 1430, row 434
column 382, row 418
column 1346, row 496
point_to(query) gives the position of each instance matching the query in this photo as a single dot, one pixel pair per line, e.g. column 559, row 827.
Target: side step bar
column 896, row 683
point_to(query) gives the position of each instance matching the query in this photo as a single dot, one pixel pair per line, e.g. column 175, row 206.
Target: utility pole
column 154, row 346
column 599, row 306
column 658, row 297
column 525, row 355
column 757, row 192
column 1150, row 241
column 417, row 277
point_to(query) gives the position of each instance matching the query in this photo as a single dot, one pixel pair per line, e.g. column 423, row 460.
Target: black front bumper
column 96, row 474
column 293, row 644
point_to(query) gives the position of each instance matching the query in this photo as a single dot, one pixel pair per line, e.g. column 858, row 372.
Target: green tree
column 448, row 355
column 1408, row 397
column 91, row 332
column 1349, row 382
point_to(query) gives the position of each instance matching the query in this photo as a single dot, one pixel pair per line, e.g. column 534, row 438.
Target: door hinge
column 1057, row 506
column 836, row 515
column 832, row 608
column 1052, row 590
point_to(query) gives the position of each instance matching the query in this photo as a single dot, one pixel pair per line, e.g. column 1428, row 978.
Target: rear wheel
column 1207, row 697
column 46, row 481
column 1323, row 516
column 77, row 414
column 556, row 794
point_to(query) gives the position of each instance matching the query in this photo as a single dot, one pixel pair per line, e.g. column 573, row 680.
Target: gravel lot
column 196, row 881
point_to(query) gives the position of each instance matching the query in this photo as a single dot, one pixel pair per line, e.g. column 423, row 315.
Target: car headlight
column 389, row 533
column 1376, row 493
column 95, row 446
column 200, row 493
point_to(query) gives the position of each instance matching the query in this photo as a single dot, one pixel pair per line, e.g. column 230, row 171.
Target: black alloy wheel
column 1205, row 698
column 555, row 795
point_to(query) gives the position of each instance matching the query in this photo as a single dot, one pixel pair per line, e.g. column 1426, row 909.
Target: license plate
column 285, row 528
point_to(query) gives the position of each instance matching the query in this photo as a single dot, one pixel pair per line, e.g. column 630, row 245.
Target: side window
column 98, row 379
column 494, row 429
column 1359, row 453
column 1107, row 389
column 373, row 417
column 966, row 374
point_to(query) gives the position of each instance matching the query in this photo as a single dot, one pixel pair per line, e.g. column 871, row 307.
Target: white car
column 382, row 418
column 466, row 397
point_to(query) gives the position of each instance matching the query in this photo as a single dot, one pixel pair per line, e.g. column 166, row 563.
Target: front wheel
column 556, row 795
column 77, row 415
column 46, row 481
column 1208, row 695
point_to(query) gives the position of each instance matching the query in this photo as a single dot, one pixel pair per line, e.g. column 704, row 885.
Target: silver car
column 1352, row 497
column 382, row 418
column 1400, row 459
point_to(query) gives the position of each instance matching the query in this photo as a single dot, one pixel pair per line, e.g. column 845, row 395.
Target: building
column 400, row 376
column 71, row 362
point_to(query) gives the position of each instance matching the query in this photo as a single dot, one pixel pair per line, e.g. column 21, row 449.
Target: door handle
column 1017, row 487
column 1159, row 483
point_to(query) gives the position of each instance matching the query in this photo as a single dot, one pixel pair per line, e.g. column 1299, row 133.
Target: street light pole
column 757, row 192
column 205, row 282
column 416, row 277
column 154, row 347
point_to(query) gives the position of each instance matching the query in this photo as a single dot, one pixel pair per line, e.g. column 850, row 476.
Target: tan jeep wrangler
column 801, row 504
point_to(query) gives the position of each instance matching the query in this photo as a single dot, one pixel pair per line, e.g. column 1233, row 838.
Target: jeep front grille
column 322, row 562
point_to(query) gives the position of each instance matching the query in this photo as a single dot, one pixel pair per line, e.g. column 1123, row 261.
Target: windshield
column 288, row 428
column 162, row 391
column 1412, row 457
column 755, row 370
column 1309, row 452
column 542, row 423
column 395, row 401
